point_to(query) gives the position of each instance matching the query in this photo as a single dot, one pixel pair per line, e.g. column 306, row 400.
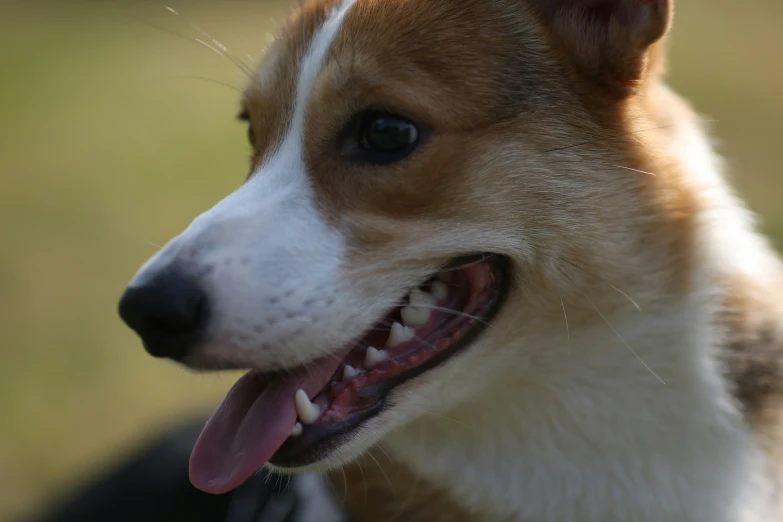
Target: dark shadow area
column 151, row 485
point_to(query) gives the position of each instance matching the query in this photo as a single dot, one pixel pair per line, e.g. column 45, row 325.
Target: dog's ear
column 609, row 41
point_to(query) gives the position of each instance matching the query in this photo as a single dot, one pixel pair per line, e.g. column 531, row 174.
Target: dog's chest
column 377, row 487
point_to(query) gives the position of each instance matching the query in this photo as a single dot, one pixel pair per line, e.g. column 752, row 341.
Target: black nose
column 169, row 312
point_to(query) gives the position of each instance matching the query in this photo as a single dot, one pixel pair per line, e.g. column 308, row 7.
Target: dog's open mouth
column 294, row 418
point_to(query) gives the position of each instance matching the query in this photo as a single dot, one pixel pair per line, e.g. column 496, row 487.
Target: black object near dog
column 152, row 486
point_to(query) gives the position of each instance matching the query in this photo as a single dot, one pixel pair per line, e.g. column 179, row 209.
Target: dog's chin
column 341, row 392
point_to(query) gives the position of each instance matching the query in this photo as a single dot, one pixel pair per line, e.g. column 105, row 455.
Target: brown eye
column 251, row 134
column 384, row 137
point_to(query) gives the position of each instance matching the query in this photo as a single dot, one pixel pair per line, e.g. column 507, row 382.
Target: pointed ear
column 609, row 41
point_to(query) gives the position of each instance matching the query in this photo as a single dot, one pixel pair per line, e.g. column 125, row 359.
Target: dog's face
column 431, row 181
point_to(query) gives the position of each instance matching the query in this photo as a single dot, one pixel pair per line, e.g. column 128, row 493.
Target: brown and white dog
column 482, row 243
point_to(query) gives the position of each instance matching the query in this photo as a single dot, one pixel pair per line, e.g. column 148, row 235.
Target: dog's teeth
column 419, row 297
column 400, row 334
column 307, row 411
column 439, row 290
column 374, row 356
column 414, row 316
column 296, row 430
column 349, row 371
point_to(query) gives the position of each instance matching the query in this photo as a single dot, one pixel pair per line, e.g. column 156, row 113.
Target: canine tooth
column 414, row 315
column 349, row 371
column 374, row 356
column 419, row 297
column 439, row 290
column 296, row 430
column 307, row 411
column 400, row 334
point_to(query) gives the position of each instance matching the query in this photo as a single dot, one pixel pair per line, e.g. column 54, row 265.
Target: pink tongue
column 251, row 423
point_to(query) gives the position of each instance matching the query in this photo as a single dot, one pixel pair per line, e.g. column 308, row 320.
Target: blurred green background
column 116, row 129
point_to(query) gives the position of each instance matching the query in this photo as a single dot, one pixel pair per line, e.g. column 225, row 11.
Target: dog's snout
column 168, row 311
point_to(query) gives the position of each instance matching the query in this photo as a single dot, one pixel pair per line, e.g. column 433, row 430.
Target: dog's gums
column 294, row 418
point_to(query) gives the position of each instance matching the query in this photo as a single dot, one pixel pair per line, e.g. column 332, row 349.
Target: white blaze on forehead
column 313, row 62
column 289, row 158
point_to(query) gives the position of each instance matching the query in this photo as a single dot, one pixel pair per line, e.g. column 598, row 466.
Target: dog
column 485, row 266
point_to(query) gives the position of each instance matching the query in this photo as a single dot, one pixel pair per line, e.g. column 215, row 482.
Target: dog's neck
column 578, row 449
column 601, row 441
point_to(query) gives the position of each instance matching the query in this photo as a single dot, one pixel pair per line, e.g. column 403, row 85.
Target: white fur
column 591, row 438
column 728, row 225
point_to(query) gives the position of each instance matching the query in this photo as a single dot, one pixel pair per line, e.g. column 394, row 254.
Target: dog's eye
column 385, row 137
column 251, row 134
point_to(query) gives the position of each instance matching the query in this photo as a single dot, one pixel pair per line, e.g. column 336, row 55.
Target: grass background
column 114, row 135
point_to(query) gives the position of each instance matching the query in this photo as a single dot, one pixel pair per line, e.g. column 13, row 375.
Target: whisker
column 630, row 133
column 483, row 258
column 226, row 54
column 627, row 297
column 568, row 333
column 440, row 309
column 403, row 506
column 573, row 265
column 456, row 313
column 386, row 454
column 364, row 479
column 624, row 342
column 211, row 48
column 345, row 484
column 225, row 51
column 635, row 170
column 160, row 28
column 210, row 80
column 383, row 472
column 445, row 417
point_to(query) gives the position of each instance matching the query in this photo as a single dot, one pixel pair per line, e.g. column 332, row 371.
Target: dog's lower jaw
column 609, row 447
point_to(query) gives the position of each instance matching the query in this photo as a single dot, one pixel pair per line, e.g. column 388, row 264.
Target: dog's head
column 432, row 181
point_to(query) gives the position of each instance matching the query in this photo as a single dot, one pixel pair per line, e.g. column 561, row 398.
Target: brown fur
column 512, row 76
column 753, row 321
column 607, row 42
